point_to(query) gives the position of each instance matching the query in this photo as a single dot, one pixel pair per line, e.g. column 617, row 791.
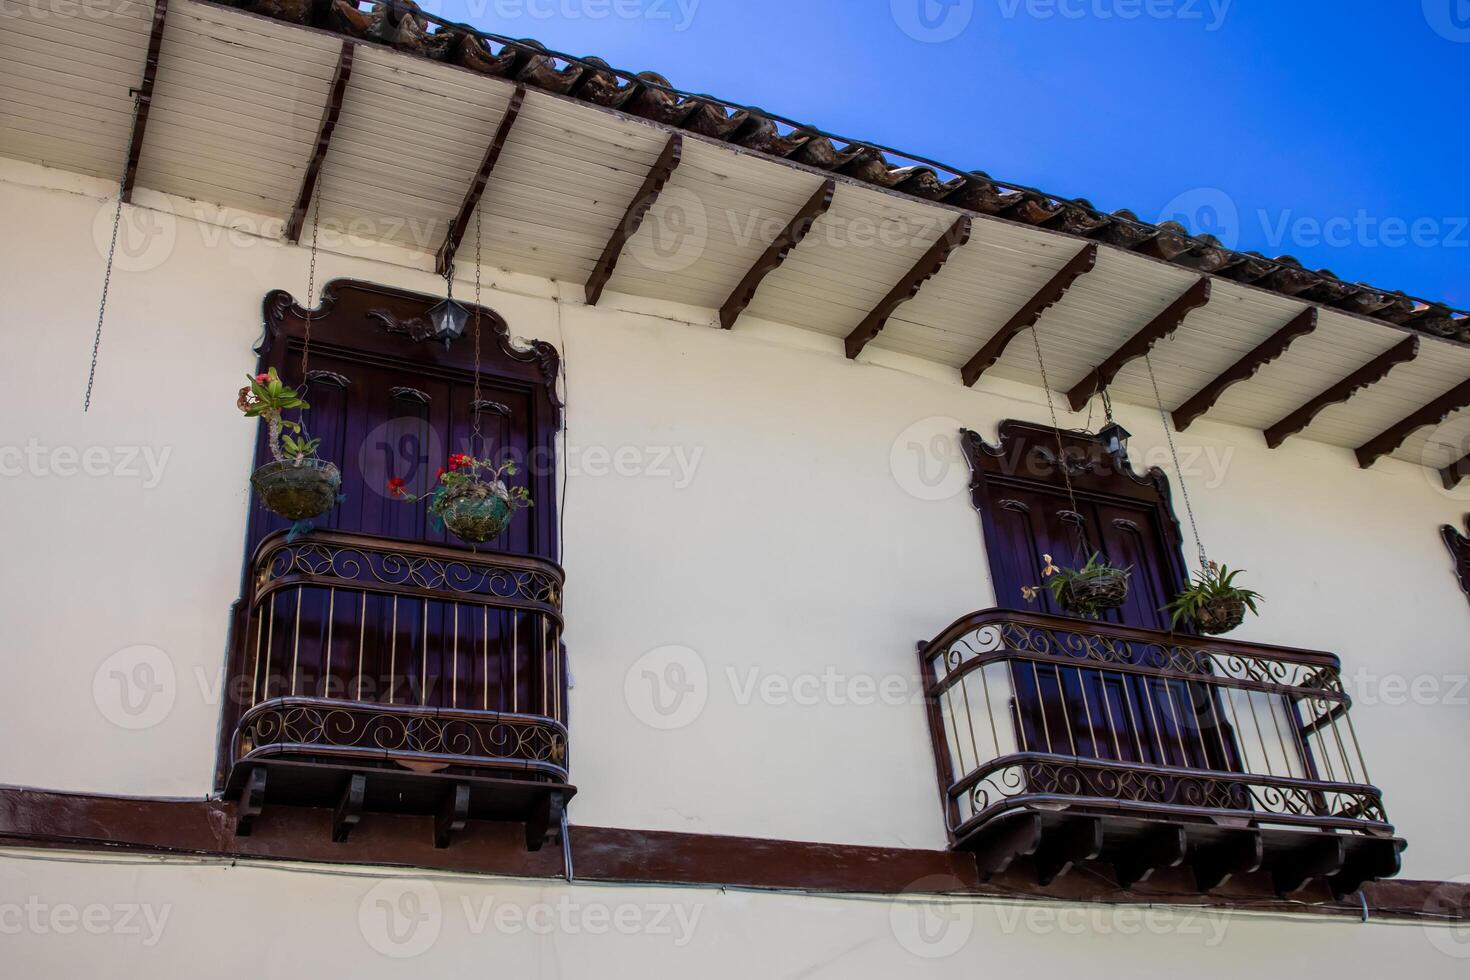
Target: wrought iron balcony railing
column 1067, row 741
column 377, row 674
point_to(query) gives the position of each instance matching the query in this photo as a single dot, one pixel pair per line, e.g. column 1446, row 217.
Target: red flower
column 440, row 474
column 262, row 378
column 459, row 461
column 396, row 486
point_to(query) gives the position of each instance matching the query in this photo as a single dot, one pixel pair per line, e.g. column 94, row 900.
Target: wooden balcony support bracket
column 1164, row 847
column 643, row 201
column 1323, row 857
column 1066, row 845
column 349, row 807
column 1028, row 315
column 1141, row 343
column 1015, row 837
column 453, row 814
column 1393, row 437
column 144, row 96
column 1244, row 369
column 1237, row 853
column 252, row 802
column 769, row 262
column 444, row 262
column 330, row 114
column 908, row 287
column 543, row 826
column 1369, row 374
column 1371, row 860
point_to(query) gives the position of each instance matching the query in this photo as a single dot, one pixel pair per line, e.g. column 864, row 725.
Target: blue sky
column 1332, row 131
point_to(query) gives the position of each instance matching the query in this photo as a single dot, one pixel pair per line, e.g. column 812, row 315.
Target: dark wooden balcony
column 1060, row 742
column 389, row 676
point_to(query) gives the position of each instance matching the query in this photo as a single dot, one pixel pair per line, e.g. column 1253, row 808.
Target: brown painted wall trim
column 44, row 819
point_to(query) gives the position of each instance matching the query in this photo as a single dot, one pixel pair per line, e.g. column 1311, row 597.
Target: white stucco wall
column 798, row 557
column 258, row 921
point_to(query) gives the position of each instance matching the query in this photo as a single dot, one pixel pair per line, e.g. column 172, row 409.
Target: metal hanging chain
column 316, row 222
column 475, row 429
column 122, row 184
column 1107, row 401
column 1061, row 453
column 1204, row 559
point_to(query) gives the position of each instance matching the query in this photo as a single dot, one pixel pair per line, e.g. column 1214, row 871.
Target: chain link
column 1061, row 453
column 122, row 184
column 1204, row 559
column 475, row 424
column 316, row 222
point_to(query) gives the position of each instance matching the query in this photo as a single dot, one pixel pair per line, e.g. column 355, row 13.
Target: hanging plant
column 1088, row 591
column 470, row 497
column 1213, row 602
column 296, row 484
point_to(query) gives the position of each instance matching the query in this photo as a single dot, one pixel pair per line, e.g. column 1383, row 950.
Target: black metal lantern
column 449, row 319
column 1114, row 439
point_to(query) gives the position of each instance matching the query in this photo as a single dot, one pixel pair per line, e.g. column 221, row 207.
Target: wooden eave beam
column 1028, row 315
column 330, row 114
column 647, row 196
column 1369, row 374
column 789, row 238
column 1244, row 369
column 1432, row 414
column 908, row 287
column 1140, row 343
column 144, row 99
column 1452, row 474
column 461, row 222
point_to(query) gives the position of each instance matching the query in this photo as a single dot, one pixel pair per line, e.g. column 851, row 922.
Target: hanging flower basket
column 470, row 498
column 298, row 490
column 1213, row 603
column 477, row 513
column 1219, row 616
column 1094, row 592
column 296, row 484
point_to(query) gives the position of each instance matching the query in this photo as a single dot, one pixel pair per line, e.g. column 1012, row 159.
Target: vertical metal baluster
column 1127, row 685
column 296, row 640
column 1199, row 726
column 956, row 746
column 561, row 672
column 393, row 654
column 270, row 649
column 1358, row 746
column 1240, row 741
column 255, row 670
column 485, row 654
column 1087, row 709
column 1066, row 708
column 970, row 717
column 331, row 624
column 541, row 658
column 1347, row 766
column 454, row 670
column 424, row 658
column 1102, row 680
column 1153, row 713
column 1213, row 692
column 1281, row 736
column 1250, row 699
column 989, row 708
column 1325, row 750
column 515, row 660
column 361, row 641
column 1178, row 721
column 1041, row 703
